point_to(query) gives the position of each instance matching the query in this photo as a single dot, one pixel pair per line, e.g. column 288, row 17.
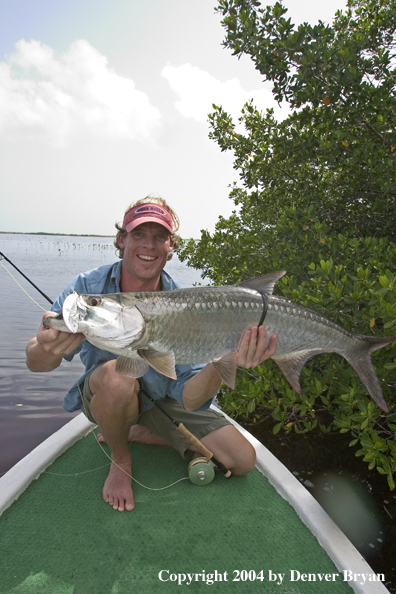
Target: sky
column 103, row 102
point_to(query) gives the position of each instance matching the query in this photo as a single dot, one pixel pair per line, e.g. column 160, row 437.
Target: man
column 116, row 403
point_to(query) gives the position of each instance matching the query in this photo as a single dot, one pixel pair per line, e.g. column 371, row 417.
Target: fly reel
column 201, row 471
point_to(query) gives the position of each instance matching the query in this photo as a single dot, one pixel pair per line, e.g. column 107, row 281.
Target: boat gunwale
column 16, row 480
column 338, row 547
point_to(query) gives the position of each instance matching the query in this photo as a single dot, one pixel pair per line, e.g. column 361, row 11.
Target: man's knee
column 105, row 383
column 246, row 460
column 232, row 449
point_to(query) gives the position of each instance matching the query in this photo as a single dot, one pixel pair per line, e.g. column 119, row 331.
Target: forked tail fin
column 363, row 366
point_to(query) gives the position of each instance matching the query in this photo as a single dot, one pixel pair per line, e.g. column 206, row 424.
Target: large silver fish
column 205, row 324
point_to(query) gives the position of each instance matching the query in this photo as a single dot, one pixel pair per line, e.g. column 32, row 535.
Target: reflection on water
column 31, row 404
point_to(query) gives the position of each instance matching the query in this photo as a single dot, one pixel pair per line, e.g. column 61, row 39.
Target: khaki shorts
column 200, row 423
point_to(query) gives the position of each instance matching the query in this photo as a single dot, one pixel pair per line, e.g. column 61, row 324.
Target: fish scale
column 205, row 325
column 309, row 329
column 212, row 320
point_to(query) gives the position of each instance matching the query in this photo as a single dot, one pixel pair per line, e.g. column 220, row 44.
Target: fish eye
column 94, row 301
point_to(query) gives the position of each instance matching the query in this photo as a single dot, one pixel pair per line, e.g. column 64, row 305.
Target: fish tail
column 363, row 366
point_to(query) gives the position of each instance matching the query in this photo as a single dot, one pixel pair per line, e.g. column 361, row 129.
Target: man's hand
column 251, row 352
column 57, row 342
column 45, row 351
column 252, row 349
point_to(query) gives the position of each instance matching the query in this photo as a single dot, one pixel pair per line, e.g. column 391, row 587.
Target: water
column 30, row 403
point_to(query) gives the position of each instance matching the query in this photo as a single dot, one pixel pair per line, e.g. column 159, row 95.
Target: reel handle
column 201, row 471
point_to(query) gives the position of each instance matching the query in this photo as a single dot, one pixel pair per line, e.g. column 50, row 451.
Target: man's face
column 146, row 250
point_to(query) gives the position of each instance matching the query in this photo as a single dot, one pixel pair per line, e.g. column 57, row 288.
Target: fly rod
column 191, row 438
column 24, row 276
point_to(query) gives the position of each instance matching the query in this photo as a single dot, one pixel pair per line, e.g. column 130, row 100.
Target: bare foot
column 117, row 490
column 140, row 434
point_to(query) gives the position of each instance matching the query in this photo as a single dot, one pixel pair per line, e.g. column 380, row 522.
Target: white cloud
column 197, row 90
column 55, row 98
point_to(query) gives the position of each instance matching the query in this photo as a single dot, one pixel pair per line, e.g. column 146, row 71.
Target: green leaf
column 277, row 428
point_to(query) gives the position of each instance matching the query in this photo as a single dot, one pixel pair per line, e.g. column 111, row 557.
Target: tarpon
column 205, row 325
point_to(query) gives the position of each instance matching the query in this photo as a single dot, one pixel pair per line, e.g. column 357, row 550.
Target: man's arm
column 251, row 353
column 45, row 351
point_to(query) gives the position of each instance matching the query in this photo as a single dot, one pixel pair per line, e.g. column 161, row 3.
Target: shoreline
column 54, row 234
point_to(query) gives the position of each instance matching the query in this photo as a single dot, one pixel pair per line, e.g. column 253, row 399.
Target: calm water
column 30, row 403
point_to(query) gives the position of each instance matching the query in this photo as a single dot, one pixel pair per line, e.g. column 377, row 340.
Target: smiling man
column 117, row 403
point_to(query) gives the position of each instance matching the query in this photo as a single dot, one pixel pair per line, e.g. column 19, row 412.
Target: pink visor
column 148, row 212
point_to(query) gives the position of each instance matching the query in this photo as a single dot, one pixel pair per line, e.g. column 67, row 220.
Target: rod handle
column 194, row 441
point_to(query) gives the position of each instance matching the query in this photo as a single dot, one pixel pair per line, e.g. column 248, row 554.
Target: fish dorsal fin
column 161, row 361
column 133, row 367
column 226, row 368
column 264, row 283
column 291, row 367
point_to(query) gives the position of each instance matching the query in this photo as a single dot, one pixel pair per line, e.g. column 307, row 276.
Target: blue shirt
column 104, row 280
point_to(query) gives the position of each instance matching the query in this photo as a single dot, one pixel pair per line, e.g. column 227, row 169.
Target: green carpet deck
column 59, row 537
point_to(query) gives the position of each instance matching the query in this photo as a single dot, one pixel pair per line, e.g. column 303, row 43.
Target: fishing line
column 190, row 437
column 265, row 308
column 20, row 286
column 77, row 473
column 24, row 276
column 109, row 457
column 185, row 478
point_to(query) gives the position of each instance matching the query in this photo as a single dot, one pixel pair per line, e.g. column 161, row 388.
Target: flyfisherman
column 116, row 403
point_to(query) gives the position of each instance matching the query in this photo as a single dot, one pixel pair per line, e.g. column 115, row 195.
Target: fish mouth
column 71, row 312
column 55, row 322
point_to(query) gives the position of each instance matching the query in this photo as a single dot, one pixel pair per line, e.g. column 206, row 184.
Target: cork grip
column 194, row 441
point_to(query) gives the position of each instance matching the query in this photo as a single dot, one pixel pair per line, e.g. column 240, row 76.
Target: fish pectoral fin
column 132, row 367
column 291, row 367
column 161, row 361
column 264, row 283
column 226, row 368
